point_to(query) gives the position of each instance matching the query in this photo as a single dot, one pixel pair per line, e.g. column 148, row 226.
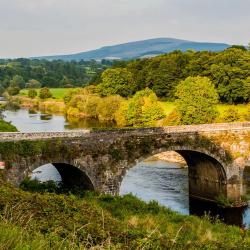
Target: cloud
column 35, row 27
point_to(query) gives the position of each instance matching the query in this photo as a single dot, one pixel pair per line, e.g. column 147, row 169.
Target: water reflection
column 167, row 183
column 33, row 121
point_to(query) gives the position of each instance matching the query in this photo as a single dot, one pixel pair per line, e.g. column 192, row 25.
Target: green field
column 58, row 93
column 169, row 107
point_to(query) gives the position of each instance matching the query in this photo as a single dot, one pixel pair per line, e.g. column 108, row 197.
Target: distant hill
column 140, row 49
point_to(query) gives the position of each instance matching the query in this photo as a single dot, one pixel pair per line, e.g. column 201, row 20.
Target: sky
column 52, row 27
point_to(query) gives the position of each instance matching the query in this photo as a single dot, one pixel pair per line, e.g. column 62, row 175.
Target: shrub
column 13, row 90
column 32, row 93
column 45, row 93
column 231, row 115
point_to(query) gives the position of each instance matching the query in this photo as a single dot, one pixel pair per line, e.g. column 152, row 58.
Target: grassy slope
column 49, row 221
column 7, row 127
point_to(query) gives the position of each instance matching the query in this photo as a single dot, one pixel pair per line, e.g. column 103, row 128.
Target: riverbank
column 93, row 221
column 169, row 156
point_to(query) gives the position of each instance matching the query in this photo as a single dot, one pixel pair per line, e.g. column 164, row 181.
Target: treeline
column 21, row 73
column 228, row 70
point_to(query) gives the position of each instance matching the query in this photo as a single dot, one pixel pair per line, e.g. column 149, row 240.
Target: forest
column 32, row 73
column 228, row 70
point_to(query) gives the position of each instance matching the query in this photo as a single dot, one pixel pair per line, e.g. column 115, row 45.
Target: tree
column 17, row 82
column 32, row 83
column 32, row 93
column 108, row 107
column 13, row 90
column 45, row 93
column 144, row 109
column 196, row 99
column 117, row 81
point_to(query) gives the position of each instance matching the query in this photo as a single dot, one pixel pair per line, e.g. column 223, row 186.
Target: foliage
column 117, row 81
column 108, row 107
column 228, row 70
column 82, row 102
column 50, row 221
column 33, row 83
column 45, row 93
column 173, row 119
column 196, row 100
column 13, row 90
column 231, row 115
column 7, row 127
column 144, row 109
column 33, row 73
column 32, row 93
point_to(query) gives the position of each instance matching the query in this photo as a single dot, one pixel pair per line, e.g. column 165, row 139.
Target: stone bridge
column 216, row 155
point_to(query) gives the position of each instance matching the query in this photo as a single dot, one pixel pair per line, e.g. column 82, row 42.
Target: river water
column 164, row 182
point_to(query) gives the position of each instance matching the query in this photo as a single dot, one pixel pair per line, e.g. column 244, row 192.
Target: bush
column 45, row 93
column 231, row 115
column 173, row 119
column 32, row 93
column 13, row 90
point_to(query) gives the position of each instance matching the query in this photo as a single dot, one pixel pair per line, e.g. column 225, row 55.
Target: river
column 158, row 180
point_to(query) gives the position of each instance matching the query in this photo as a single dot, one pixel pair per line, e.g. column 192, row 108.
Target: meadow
column 58, row 93
column 93, row 221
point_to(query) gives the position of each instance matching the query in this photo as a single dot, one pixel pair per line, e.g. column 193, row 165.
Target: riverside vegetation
column 127, row 93
column 43, row 220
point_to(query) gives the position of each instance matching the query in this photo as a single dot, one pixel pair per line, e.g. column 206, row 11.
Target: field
column 58, row 93
column 169, row 107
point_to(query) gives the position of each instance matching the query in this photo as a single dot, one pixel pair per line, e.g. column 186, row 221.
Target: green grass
column 50, row 221
column 169, row 107
column 7, row 127
column 58, row 93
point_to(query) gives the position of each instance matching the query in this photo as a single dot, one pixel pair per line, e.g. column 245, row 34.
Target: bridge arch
column 207, row 174
column 71, row 174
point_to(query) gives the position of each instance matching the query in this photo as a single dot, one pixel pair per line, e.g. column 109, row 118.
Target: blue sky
column 48, row 27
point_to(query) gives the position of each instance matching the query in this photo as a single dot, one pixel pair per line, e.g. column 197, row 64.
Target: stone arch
column 73, row 176
column 207, row 171
column 71, row 173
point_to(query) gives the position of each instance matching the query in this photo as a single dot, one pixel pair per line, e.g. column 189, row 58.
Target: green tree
column 17, row 82
column 13, row 90
column 33, row 83
column 108, row 107
column 196, row 100
column 117, row 81
column 144, row 109
column 32, row 93
column 45, row 93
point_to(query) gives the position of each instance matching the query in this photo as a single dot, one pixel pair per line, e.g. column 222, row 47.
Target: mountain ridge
column 138, row 49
